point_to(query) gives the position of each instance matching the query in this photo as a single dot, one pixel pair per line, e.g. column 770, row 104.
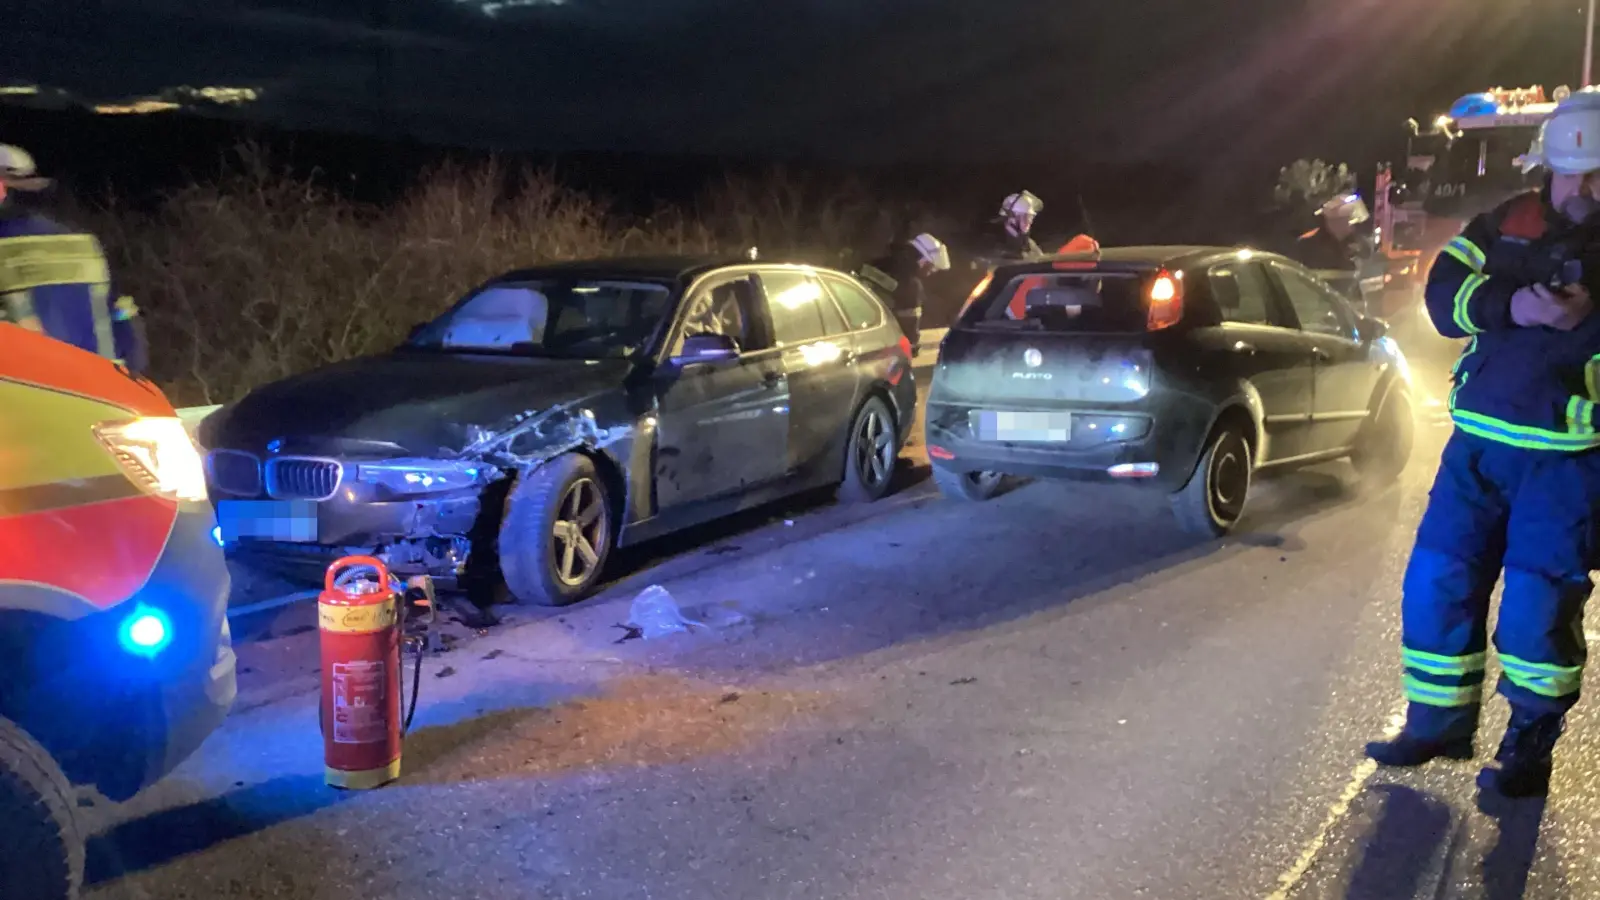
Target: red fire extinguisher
column 360, row 623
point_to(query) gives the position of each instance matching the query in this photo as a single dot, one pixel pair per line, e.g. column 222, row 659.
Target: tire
column 1383, row 448
column 870, row 453
column 1211, row 504
column 974, row 487
column 42, row 855
column 552, row 514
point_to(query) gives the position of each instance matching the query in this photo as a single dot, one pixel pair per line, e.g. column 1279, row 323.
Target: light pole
column 1588, row 47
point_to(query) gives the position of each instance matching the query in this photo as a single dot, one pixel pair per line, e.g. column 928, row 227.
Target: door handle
column 1243, row 347
column 1320, row 355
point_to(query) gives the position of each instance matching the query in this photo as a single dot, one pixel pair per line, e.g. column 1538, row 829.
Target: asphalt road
column 1053, row 695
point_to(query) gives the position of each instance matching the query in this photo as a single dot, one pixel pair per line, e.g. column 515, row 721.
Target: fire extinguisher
column 362, row 619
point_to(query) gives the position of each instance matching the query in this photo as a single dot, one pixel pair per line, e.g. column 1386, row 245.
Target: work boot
column 1408, row 750
column 1526, row 755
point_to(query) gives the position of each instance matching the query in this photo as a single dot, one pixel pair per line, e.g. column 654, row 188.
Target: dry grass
column 263, row 274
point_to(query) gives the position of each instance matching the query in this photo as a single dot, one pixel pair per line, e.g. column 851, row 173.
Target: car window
column 726, row 306
column 1315, row 306
column 860, row 308
column 585, row 318
column 792, row 302
column 833, row 321
column 1242, row 293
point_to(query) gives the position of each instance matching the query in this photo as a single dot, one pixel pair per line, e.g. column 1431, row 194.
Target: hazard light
column 1166, row 301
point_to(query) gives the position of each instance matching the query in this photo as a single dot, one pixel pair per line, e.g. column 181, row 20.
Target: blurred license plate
column 1024, row 426
column 292, row 521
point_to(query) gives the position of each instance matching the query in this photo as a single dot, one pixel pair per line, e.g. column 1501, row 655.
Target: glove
column 1576, row 304
column 1537, row 305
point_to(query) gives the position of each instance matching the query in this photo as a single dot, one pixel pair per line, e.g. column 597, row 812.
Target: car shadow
column 143, row 843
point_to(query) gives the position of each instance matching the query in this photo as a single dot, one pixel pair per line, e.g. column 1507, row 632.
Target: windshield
column 579, row 318
column 1104, row 302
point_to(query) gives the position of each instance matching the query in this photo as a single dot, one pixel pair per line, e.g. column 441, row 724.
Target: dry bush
column 263, row 274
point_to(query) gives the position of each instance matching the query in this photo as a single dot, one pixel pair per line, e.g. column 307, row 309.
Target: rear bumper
column 1161, row 458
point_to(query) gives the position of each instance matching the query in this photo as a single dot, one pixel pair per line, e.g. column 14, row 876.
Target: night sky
column 1250, row 82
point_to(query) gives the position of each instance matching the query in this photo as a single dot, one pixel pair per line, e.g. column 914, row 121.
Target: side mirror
column 706, row 348
column 1370, row 329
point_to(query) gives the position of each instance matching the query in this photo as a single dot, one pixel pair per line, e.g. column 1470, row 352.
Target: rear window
column 1105, row 302
column 862, row 310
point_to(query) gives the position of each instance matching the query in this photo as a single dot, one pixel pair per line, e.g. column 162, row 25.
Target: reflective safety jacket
column 58, row 282
column 78, row 533
column 1535, row 388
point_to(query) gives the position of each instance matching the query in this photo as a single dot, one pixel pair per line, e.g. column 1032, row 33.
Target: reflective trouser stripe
column 1434, row 664
column 1591, row 378
column 1419, row 691
column 1545, row 679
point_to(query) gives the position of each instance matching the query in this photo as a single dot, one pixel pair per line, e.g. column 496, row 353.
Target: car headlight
column 157, row 455
column 425, row 476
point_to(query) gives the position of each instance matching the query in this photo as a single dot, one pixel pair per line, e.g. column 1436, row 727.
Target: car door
column 1346, row 376
column 1260, row 345
column 723, row 426
column 818, row 360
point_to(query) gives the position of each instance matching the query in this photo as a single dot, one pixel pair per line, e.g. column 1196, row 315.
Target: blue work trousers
column 1494, row 507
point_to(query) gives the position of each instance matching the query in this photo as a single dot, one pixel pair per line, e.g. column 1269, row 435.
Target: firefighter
column 56, row 281
column 1334, row 244
column 1518, row 488
column 899, row 274
column 1013, row 239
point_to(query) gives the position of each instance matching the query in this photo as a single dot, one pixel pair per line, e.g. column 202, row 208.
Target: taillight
column 977, row 292
column 905, row 346
column 1166, row 301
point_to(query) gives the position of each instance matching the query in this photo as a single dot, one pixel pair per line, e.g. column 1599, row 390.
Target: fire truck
column 1464, row 162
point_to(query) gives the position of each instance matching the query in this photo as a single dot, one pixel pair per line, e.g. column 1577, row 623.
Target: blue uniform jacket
column 58, row 281
column 1536, row 387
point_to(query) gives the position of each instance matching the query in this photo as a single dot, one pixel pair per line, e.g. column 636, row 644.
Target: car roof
column 655, row 268
column 1153, row 256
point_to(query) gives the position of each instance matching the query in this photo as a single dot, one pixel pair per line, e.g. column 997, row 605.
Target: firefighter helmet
column 1020, row 204
column 932, row 250
column 17, row 170
column 1568, row 142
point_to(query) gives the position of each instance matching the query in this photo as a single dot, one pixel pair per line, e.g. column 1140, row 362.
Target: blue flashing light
column 216, row 535
column 145, row 632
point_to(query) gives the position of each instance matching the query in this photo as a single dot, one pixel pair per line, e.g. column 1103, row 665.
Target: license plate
column 291, row 521
column 1045, row 427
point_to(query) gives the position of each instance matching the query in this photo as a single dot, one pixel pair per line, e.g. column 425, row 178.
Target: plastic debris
column 656, row 614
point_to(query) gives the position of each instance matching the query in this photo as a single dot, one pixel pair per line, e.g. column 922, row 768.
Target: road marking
column 1359, row 777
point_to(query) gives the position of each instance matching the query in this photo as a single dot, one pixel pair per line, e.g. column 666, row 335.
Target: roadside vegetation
column 259, row 274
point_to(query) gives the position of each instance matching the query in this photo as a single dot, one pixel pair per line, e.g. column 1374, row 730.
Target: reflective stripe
column 1545, row 679
column 1434, row 664
column 1591, row 378
column 41, row 260
column 1522, row 436
column 105, row 343
column 1419, row 691
column 1580, row 416
column 1463, row 317
column 1467, row 252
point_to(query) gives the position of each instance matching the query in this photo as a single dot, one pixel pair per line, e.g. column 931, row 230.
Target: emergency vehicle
column 115, row 655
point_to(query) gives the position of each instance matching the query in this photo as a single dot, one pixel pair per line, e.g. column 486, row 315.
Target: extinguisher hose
column 416, row 687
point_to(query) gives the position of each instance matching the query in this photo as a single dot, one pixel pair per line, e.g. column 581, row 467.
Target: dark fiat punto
column 1187, row 369
column 556, row 413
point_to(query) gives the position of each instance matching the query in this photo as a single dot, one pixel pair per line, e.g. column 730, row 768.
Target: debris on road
column 493, row 654
column 964, row 681
column 445, row 672
column 656, row 614
column 629, row 633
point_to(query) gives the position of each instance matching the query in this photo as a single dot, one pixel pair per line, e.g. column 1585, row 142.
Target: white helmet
column 17, row 170
column 1349, row 208
column 1021, row 204
column 1568, row 142
column 932, row 250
